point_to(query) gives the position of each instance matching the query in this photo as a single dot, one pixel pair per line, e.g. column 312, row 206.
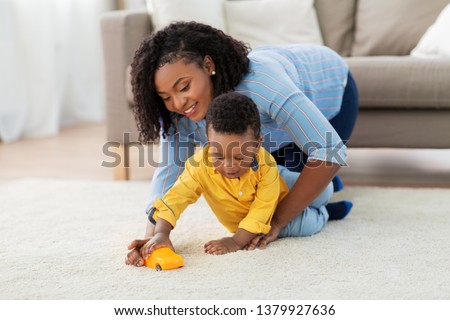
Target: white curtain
column 51, row 69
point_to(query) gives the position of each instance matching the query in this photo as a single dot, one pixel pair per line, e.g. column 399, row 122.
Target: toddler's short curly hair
column 233, row 113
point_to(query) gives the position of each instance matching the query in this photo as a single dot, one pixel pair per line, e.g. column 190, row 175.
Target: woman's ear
column 209, row 65
column 258, row 143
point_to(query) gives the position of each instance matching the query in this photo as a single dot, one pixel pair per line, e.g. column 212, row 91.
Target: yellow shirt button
column 240, row 193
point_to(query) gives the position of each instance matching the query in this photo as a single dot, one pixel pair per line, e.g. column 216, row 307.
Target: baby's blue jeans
column 313, row 218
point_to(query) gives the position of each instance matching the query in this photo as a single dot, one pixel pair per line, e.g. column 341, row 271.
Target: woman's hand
column 261, row 242
column 134, row 257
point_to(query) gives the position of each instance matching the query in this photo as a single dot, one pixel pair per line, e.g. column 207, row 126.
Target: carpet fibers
column 65, row 239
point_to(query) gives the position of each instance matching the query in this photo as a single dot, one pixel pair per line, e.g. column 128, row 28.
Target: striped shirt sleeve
column 278, row 90
column 174, row 150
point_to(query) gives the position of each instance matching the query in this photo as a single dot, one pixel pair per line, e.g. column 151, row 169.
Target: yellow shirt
column 247, row 203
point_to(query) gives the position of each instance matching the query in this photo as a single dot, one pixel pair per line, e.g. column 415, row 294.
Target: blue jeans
column 313, row 218
column 293, row 158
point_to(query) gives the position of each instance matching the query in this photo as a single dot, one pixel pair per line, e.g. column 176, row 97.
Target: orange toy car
column 164, row 259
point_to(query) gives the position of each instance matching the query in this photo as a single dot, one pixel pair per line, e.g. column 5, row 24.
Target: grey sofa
column 404, row 101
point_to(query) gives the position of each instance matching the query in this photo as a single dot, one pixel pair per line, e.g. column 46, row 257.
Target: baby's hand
column 134, row 257
column 221, row 246
column 159, row 240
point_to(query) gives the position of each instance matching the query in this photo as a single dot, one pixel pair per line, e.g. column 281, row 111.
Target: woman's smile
column 190, row 112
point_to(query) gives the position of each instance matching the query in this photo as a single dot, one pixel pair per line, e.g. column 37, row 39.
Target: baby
column 239, row 180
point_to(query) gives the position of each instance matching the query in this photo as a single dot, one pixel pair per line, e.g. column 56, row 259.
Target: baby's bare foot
column 134, row 258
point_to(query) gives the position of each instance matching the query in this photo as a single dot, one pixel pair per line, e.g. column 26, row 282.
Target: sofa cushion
column 337, row 22
column 402, row 82
column 164, row 12
column 387, row 27
column 273, row 21
column 436, row 41
column 395, row 128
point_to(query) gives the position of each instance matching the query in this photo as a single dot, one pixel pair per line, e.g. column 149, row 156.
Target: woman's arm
column 316, row 175
column 174, row 150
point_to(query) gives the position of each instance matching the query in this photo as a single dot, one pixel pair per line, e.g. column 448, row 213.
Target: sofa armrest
column 121, row 32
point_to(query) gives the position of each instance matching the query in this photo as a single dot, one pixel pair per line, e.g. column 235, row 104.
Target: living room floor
column 77, row 153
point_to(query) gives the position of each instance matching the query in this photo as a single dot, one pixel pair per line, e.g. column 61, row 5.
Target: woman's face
column 186, row 88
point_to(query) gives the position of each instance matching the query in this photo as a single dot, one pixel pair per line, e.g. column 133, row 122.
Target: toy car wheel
column 158, row 268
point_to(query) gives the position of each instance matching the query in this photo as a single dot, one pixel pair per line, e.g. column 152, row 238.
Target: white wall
column 51, row 62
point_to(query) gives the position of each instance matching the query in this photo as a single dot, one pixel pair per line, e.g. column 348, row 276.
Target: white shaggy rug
column 65, row 239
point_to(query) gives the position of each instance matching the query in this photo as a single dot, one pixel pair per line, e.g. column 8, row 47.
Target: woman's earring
column 213, row 73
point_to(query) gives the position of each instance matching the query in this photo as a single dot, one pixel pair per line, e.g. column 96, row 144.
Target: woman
column 306, row 98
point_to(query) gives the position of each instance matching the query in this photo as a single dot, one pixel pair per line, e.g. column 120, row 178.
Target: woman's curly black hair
column 191, row 41
column 223, row 116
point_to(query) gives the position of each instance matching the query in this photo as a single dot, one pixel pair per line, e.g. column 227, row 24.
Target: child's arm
column 140, row 249
column 237, row 242
column 160, row 239
column 185, row 191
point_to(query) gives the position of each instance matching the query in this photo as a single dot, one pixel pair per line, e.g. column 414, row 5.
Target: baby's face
column 231, row 154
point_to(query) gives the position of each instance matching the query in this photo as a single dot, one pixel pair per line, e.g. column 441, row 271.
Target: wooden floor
column 77, row 153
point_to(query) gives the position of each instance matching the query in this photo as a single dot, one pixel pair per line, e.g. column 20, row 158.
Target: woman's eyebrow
column 175, row 84
column 178, row 81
